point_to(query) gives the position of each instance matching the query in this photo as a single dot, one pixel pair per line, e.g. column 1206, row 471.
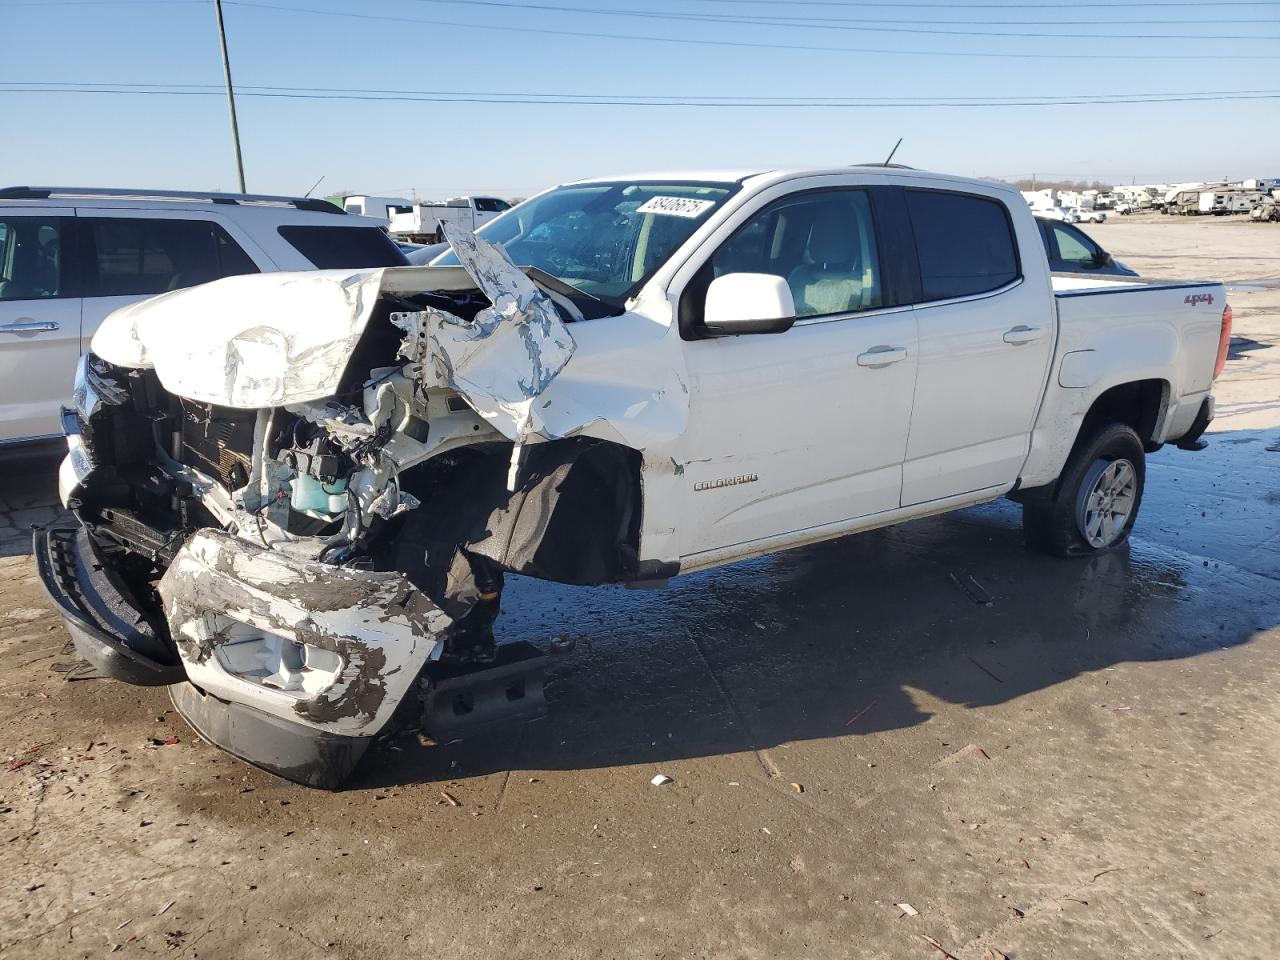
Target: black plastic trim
column 112, row 652
column 293, row 751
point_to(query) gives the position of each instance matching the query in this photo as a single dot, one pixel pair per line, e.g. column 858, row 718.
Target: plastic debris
column 797, row 787
column 661, row 780
column 940, row 948
column 450, row 799
column 908, row 909
column 857, row 715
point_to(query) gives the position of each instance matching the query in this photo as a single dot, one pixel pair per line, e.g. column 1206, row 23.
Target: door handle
column 881, row 356
column 27, row 325
column 1020, row 335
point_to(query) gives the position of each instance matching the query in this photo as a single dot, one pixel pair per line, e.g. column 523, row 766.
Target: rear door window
column 132, row 256
column 343, row 248
column 34, row 261
column 964, row 242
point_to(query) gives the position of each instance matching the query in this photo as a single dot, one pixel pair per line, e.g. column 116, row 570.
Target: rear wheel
column 1095, row 502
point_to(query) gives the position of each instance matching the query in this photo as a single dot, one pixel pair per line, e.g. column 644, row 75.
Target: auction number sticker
column 676, row 206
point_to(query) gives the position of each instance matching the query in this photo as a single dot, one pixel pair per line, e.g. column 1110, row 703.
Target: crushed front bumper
column 287, row 663
column 107, row 625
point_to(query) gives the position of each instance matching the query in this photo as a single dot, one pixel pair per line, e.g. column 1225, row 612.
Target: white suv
column 70, row 256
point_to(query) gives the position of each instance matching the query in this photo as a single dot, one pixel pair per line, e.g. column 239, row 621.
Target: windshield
column 605, row 239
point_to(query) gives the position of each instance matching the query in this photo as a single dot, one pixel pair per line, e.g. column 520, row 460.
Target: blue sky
column 444, row 149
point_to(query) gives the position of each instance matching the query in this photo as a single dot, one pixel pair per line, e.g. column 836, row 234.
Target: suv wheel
column 1095, row 502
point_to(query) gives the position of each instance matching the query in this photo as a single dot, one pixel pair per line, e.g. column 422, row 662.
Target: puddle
column 1253, row 286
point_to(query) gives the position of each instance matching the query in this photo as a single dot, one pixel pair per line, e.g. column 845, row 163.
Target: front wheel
column 1095, row 502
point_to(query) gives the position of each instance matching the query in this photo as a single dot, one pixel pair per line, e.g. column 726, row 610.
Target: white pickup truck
column 425, row 222
column 298, row 493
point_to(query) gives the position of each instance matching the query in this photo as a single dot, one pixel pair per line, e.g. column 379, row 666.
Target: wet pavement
column 1043, row 758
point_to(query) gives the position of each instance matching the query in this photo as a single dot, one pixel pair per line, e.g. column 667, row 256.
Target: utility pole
column 231, row 97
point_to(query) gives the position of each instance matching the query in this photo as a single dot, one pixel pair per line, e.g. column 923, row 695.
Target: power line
column 1055, row 6
column 601, row 100
column 1101, row 98
column 755, row 45
column 856, row 24
column 858, row 27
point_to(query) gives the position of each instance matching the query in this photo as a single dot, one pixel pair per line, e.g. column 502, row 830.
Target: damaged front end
column 297, row 492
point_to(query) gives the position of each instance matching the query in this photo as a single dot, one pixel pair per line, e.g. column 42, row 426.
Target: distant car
column 1093, row 215
column 71, row 255
column 1071, row 250
column 1060, row 214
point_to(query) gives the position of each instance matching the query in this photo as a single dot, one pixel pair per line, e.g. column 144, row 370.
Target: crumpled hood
column 274, row 339
column 252, row 341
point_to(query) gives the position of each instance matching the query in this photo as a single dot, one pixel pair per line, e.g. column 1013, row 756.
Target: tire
column 1095, row 501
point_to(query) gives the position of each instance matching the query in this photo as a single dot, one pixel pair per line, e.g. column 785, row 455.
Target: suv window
column 128, row 256
column 1074, row 247
column 33, row 258
column 339, row 248
column 964, row 242
column 822, row 243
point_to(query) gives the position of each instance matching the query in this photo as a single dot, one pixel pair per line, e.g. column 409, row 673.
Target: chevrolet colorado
column 298, row 493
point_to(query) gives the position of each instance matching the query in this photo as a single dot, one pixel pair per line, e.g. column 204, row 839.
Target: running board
column 467, row 699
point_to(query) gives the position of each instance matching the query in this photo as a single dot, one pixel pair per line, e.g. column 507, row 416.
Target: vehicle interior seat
column 832, row 278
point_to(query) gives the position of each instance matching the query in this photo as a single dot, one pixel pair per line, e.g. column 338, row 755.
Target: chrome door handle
column 1020, row 335
column 881, row 356
column 27, row 325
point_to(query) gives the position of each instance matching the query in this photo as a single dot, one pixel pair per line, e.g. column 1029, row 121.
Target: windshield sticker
column 676, row 206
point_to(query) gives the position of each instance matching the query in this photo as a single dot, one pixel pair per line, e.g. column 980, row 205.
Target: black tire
column 1062, row 522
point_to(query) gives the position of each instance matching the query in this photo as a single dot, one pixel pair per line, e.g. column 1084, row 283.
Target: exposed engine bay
column 313, row 493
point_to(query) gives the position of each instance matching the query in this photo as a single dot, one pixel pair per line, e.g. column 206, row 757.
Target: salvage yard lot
column 1044, row 759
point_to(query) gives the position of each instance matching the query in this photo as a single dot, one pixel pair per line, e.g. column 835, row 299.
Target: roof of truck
column 778, row 174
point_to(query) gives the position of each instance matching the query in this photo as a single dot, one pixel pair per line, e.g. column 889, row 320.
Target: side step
column 468, row 698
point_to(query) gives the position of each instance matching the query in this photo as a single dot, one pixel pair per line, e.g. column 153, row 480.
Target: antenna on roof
column 892, row 152
column 314, row 185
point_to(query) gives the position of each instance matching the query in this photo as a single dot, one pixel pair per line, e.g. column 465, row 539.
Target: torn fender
column 235, row 609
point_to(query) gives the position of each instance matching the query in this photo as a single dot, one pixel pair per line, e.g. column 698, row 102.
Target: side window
column 1074, row 247
column 823, row 244
column 33, row 261
column 131, row 256
column 232, row 260
column 964, row 242
column 333, row 248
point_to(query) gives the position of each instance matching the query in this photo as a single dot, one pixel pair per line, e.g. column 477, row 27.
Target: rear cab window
column 964, row 242
column 342, row 248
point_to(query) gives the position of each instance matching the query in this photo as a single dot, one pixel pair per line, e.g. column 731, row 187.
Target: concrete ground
column 1041, row 758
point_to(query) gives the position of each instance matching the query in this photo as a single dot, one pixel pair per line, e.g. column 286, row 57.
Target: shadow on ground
column 855, row 636
column 859, row 635
column 28, row 493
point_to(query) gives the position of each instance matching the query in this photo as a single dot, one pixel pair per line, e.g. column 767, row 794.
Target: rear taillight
column 1224, row 341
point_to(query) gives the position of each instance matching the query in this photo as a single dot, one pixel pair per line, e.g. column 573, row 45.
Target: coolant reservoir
column 312, row 496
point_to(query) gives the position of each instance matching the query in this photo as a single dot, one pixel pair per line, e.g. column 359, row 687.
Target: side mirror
column 748, row 303
column 1102, row 259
